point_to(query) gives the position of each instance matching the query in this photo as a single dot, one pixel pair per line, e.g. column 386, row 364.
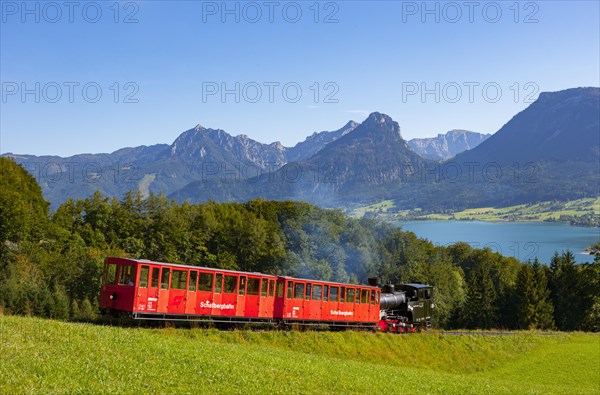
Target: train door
column 241, row 298
column 163, row 291
column 279, row 301
column 344, row 312
column 426, row 296
column 333, row 305
column 351, row 303
column 177, row 291
column 252, row 300
column 373, row 306
column 267, row 293
column 270, row 310
column 206, row 296
column 362, row 304
column 296, row 307
column 307, row 305
column 316, row 302
column 263, row 301
column 229, row 297
column 142, row 289
column 153, row 289
column 190, row 303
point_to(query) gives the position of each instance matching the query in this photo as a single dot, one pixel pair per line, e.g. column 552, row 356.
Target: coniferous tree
column 75, row 312
column 565, row 291
column 525, row 298
column 87, row 311
column 544, row 309
column 590, row 287
column 60, row 307
column 481, row 310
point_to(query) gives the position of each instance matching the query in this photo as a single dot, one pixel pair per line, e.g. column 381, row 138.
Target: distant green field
column 543, row 211
column 41, row 356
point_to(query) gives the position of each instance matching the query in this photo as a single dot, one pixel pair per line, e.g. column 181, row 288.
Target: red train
column 163, row 291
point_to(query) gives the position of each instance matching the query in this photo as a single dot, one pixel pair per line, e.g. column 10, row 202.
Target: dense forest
column 50, row 263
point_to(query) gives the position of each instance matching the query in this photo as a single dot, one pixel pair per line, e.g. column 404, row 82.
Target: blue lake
column 522, row 240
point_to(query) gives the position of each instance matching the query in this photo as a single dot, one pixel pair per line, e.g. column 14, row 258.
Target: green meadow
column 543, row 211
column 45, row 356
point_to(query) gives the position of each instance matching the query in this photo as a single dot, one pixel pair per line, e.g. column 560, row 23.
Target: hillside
column 36, row 358
column 557, row 127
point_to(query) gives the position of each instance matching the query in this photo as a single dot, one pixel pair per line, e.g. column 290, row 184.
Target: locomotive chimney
column 374, row 281
column 388, row 288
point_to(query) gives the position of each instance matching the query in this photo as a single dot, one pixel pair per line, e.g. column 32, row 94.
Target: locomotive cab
column 419, row 303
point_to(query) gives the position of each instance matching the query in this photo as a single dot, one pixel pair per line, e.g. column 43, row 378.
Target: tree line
column 51, row 263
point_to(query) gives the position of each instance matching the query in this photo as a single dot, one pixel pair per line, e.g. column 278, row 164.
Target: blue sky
column 165, row 71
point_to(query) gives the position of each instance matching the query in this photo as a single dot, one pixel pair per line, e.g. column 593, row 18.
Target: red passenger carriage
column 164, row 291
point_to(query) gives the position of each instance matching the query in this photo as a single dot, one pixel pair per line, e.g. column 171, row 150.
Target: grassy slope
column 49, row 356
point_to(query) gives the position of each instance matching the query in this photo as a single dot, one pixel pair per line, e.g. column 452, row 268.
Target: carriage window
column 307, row 291
column 164, row 280
column 317, row 292
column 427, row 294
column 343, row 294
column 218, row 283
column 372, row 297
column 279, row 292
column 325, row 292
column 242, row 288
column 377, row 297
column 206, row 280
column 364, row 296
column 178, row 279
column 254, row 285
column 111, row 274
column 333, row 294
column 230, row 283
column 154, row 279
column 144, row 272
column 289, row 290
column 350, row 295
column 271, row 287
column 263, row 288
column 192, row 286
column 299, row 291
column 127, row 275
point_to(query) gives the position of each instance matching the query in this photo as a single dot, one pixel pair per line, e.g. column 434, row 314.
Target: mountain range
column 550, row 149
column 446, row 146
